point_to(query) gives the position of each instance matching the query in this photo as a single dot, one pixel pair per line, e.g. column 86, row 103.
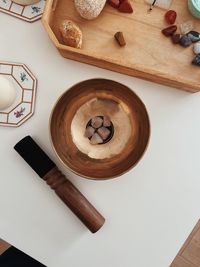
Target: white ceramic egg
column 89, row 9
column 25, row 2
column 7, row 93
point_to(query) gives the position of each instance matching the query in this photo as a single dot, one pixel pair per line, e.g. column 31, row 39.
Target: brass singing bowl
column 99, row 97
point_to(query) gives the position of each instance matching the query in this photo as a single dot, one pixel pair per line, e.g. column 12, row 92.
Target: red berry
column 170, row 16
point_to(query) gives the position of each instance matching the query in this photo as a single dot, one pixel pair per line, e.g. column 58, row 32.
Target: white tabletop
column 149, row 211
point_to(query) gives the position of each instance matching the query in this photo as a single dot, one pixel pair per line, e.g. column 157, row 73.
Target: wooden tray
column 147, row 55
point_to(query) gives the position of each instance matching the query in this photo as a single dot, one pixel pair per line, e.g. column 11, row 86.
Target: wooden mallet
column 70, row 195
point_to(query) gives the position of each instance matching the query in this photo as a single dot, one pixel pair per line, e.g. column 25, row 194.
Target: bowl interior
column 99, row 97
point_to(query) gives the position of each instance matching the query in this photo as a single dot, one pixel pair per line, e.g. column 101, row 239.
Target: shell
column 71, row 34
column 89, row 9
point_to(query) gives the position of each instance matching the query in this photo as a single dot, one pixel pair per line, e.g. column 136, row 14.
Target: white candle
column 7, row 93
column 160, row 3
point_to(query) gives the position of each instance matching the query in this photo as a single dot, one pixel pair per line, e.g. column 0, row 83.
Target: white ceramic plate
column 25, row 84
column 27, row 13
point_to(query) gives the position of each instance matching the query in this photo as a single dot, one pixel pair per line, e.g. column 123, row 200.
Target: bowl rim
column 80, row 174
column 194, row 4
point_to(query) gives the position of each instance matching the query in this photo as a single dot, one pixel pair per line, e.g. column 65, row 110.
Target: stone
column 169, row 31
column 106, row 121
column 170, row 16
column 89, row 9
column 119, row 37
column 176, row 38
column 186, row 27
column 96, row 122
column 89, row 131
column 96, row 139
column 196, row 60
column 194, row 36
column 104, row 132
column 185, row 41
column 114, row 3
column 196, row 48
column 71, row 34
column 125, row 7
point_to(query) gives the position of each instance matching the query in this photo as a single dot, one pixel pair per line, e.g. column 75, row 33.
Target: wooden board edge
column 152, row 77
column 194, row 231
column 188, row 240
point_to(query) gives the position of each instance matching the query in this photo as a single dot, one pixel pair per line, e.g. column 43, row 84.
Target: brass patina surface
column 99, row 97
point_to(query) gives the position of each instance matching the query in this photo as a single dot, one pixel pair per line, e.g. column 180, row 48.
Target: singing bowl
column 99, row 97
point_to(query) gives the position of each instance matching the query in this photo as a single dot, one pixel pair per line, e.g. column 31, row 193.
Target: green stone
column 196, row 60
column 194, row 36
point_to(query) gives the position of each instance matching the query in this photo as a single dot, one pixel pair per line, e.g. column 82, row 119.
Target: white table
column 149, row 211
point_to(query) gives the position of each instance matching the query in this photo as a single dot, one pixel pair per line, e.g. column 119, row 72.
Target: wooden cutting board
column 148, row 54
column 189, row 255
